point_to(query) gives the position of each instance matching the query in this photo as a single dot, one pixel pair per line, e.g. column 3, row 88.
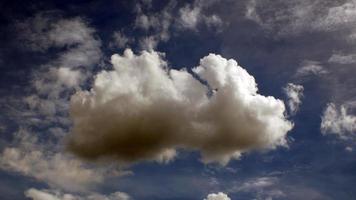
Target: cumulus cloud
column 217, row 196
column 338, row 121
column 142, row 110
column 294, row 94
column 36, row 194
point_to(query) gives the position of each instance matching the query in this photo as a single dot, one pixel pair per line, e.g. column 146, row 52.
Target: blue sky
column 201, row 99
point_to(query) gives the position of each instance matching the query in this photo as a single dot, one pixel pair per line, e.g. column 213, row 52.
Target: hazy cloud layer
column 142, row 110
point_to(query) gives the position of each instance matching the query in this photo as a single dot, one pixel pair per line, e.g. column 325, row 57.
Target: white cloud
column 33, row 159
column 51, row 84
column 42, row 32
column 120, row 40
column 291, row 18
column 338, row 121
column 36, row 194
column 142, row 110
column 342, row 59
column 344, row 14
column 311, row 68
column 189, row 17
column 158, row 25
column 294, row 94
column 258, row 183
column 217, row 196
column 262, row 188
column 192, row 15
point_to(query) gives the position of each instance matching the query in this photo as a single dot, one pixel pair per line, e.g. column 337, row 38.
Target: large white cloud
column 142, row 110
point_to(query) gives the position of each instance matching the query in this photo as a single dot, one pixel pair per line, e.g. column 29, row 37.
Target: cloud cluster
column 142, row 110
column 338, row 121
column 217, row 196
column 36, row 194
column 294, row 94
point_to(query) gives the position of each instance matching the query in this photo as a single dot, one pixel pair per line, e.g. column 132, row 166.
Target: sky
column 178, row 100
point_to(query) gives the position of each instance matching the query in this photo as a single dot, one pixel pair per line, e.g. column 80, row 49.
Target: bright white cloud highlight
column 294, row 94
column 217, row 196
column 142, row 110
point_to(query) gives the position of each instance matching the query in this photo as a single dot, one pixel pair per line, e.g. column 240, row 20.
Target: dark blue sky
column 51, row 50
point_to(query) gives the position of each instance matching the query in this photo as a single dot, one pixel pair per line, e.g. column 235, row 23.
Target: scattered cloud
column 262, row 187
column 311, row 68
column 36, row 194
column 43, row 108
column 338, row 121
column 294, row 94
column 163, row 109
column 274, row 187
column 217, row 196
column 159, row 25
column 293, row 18
column 44, row 163
column 342, row 59
column 120, row 40
column 191, row 15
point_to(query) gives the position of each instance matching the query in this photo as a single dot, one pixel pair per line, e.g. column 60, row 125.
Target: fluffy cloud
column 338, row 121
column 35, row 194
column 217, row 196
column 294, row 94
column 142, row 110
